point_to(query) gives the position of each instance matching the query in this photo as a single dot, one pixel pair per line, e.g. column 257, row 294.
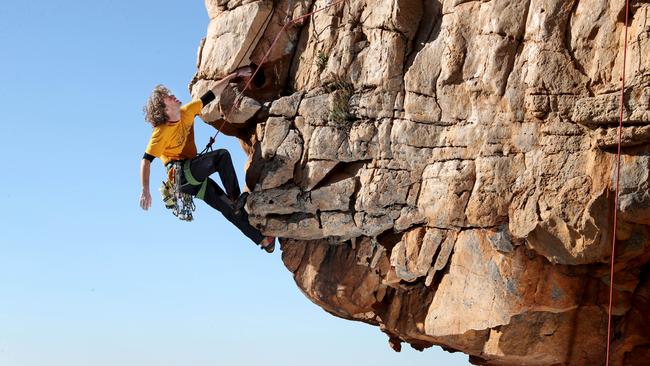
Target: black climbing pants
column 219, row 161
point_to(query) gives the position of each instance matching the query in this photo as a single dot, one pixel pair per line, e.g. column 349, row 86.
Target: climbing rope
column 240, row 95
column 618, row 174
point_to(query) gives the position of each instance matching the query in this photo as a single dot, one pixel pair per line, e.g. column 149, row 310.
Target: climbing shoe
column 268, row 244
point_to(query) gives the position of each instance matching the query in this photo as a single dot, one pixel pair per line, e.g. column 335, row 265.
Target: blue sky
column 86, row 276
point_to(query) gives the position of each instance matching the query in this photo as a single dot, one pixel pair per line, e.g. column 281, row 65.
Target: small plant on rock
column 321, row 60
column 340, row 103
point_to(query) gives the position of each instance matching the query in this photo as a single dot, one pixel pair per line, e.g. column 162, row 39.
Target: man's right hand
column 145, row 200
column 145, row 196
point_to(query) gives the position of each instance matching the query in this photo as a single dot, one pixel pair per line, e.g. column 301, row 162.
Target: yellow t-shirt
column 175, row 141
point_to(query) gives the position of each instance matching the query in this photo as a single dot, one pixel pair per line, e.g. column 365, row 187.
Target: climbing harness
column 193, row 181
column 618, row 176
column 181, row 203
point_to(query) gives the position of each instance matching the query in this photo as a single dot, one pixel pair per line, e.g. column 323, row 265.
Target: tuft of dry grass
column 321, row 60
column 340, row 106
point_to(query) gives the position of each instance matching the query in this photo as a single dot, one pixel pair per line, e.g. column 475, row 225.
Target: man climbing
column 172, row 141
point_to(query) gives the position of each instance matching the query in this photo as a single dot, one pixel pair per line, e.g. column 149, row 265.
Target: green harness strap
column 191, row 180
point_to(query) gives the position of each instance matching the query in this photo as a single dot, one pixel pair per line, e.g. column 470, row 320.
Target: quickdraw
column 181, row 204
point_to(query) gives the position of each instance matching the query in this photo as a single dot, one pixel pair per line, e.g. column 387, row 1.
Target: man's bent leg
column 217, row 161
column 217, row 199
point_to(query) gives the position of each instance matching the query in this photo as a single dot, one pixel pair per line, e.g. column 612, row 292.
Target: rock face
column 446, row 169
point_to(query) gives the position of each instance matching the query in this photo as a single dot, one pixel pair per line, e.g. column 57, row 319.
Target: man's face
column 172, row 107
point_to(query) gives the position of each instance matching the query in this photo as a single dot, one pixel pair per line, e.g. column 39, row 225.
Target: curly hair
column 154, row 110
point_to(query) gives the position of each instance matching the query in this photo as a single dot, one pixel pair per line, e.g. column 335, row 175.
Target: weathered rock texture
column 445, row 169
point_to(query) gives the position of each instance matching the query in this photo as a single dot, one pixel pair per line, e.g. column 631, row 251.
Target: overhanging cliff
column 445, row 170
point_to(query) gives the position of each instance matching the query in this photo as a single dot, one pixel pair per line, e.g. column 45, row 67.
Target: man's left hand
column 244, row 72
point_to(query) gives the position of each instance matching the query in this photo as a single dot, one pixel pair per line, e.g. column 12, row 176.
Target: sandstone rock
column 275, row 201
column 494, row 177
column 634, row 199
column 496, row 292
column 289, row 200
column 314, row 171
column 380, row 63
column 381, row 189
column 280, row 169
column 607, row 138
column 604, row 109
column 275, row 131
column 315, row 109
column 299, row 226
column 335, row 196
column 230, row 35
column 412, row 256
column 286, row 106
column 236, row 108
column 339, row 224
column 421, row 108
column 408, row 217
column 445, row 192
column 375, row 104
column 446, row 170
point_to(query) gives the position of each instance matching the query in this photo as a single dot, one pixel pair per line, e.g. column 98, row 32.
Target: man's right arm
column 145, row 196
column 155, row 147
column 218, row 87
